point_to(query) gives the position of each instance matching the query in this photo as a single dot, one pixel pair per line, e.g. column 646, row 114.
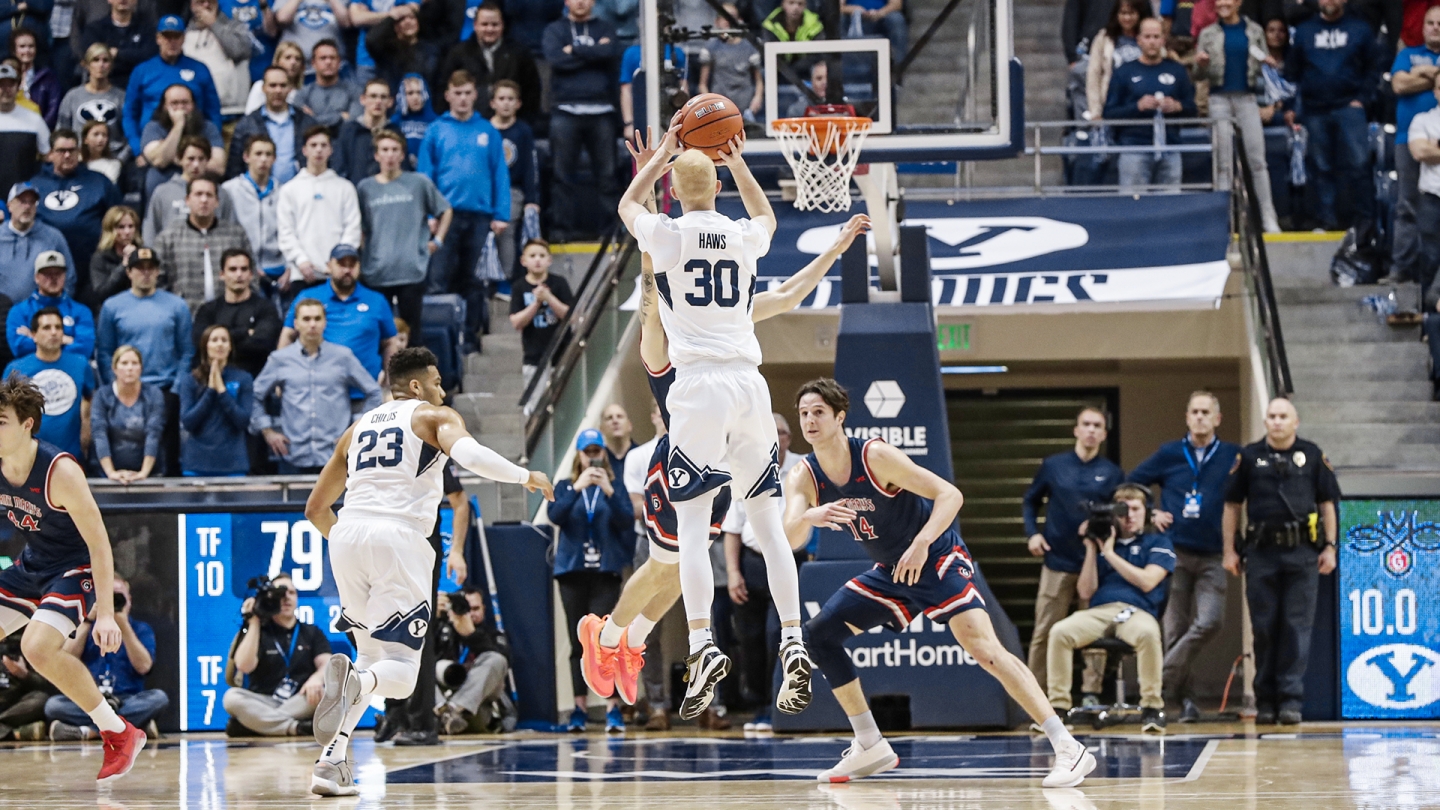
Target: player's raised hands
column 858, row 224
column 670, row 144
column 540, row 482
column 734, row 151
column 830, row 516
column 642, row 148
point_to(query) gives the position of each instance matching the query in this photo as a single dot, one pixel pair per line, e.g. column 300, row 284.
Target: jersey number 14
column 710, row 283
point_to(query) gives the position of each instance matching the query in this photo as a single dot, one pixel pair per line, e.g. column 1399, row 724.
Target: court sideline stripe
column 1201, row 761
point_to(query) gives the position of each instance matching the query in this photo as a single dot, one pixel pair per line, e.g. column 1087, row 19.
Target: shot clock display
column 1390, row 609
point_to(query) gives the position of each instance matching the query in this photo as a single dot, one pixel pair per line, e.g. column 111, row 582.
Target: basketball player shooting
column 389, row 466
column 65, row 569
column 903, row 515
column 721, row 430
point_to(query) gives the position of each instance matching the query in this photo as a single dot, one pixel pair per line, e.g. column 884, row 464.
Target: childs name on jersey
column 30, row 522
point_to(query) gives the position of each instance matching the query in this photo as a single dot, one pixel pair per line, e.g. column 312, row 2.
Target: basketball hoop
column 823, row 151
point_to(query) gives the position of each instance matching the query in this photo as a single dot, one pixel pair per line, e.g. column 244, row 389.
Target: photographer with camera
column 276, row 665
column 470, row 675
column 1124, row 577
column 120, row 675
column 23, row 693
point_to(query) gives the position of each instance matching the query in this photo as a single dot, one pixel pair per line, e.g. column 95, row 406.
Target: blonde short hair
column 694, row 177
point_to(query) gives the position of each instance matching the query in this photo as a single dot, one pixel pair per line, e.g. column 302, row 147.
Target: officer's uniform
column 1282, row 491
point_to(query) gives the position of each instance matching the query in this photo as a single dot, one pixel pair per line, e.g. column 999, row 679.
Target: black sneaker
column 1265, row 716
column 703, row 671
column 1290, row 717
column 1189, row 712
column 388, row 727
column 304, row 729
column 417, row 738
column 1152, row 720
column 233, row 728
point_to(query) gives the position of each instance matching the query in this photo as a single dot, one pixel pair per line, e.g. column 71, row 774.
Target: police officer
column 1290, row 492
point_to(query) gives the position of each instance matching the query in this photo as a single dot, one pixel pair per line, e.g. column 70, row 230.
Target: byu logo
column 61, row 200
column 187, row 75
column 964, row 243
column 884, row 399
column 483, row 139
column 97, row 109
column 418, row 627
column 1396, row 676
column 1165, row 78
column 678, row 478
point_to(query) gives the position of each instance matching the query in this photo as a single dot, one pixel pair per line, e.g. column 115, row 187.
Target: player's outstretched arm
column 891, row 469
column 793, row 290
column 69, row 491
column 654, row 348
column 757, row 205
column 447, row 429
column 329, row 487
column 801, row 513
column 642, row 186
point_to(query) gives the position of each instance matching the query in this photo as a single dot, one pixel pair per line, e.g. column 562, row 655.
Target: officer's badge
column 1299, row 458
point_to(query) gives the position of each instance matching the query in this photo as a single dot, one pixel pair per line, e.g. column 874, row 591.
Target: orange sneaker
column 628, row 664
column 597, row 663
column 121, row 750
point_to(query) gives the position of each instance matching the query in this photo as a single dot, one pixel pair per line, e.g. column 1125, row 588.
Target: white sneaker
column 795, row 688
column 333, row 779
column 703, row 671
column 342, row 690
column 858, row 763
column 1072, row 764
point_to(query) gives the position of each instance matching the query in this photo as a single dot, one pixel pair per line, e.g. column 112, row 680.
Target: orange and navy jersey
column 52, row 542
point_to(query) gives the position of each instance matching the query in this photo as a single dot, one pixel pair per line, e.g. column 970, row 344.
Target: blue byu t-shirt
column 1139, row 552
column 1411, row 105
column 66, row 383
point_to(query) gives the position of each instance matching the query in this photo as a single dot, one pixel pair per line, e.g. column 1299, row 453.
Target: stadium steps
column 996, row 444
column 1361, row 386
column 493, row 384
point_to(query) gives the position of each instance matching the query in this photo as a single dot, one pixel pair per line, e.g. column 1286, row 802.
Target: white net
column 823, row 153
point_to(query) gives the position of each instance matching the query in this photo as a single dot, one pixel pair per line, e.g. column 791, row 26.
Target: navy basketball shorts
column 60, row 598
column 944, row 590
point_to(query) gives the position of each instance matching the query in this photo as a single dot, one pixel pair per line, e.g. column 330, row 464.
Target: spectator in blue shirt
column 1065, row 485
column 464, row 157
column 215, row 402
column 120, row 674
column 1152, row 86
column 49, row 292
column 1192, row 473
column 505, row 101
column 1413, row 79
column 171, row 66
column 1336, row 63
column 356, row 316
column 1123, row 577
column 74, row 199
column 22, row 239
column 582, row 52
column 65, row 378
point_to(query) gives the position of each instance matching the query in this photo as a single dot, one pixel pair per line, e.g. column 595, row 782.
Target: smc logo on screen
column 1396, row 676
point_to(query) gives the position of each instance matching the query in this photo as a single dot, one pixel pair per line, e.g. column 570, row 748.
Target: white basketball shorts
column 382, row 570
column 722, row 431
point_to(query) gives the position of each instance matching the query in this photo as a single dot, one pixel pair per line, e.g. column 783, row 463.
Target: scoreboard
column 219, row 552
column 1389, row 622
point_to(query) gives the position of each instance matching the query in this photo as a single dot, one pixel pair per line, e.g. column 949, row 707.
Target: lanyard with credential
column 294, row 637
column 591, row 503
column 1197, row 464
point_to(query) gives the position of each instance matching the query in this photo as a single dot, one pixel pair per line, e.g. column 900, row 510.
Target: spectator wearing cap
column 128, row 35
column 354, row 157
column 582, row 52
column 279, row 120
column 170, row 66
column 66, row 380
column 356, row 316
column 224, row 46
column 314, row 378
column 168, row 200
column 405, row 219
column 74, row 199
column 24, row 137
column 252, row 320
column 157, row 324
column 464, row 156
column 490, row 57
column 75, row 317
column 329, row 99
column 318, row 210
column 22, row 239
column 190, row 248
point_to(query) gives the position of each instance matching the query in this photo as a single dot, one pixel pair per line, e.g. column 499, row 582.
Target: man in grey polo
column 314, row 378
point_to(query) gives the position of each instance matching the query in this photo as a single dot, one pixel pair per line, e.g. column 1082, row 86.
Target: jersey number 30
column 368, row 457
column 710, row 283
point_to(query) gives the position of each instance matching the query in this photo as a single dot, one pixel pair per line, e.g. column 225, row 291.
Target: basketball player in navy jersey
column 904, row 517
column 66, row 567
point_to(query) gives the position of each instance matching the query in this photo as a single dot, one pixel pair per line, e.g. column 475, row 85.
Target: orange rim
column 822, row 125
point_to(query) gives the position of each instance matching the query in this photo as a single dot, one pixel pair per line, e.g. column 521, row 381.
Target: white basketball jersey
column 705, row 274
column 393, row 475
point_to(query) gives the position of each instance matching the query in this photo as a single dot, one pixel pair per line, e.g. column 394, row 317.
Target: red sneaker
column 628, row 664
column 597, row 663
column 122, row 748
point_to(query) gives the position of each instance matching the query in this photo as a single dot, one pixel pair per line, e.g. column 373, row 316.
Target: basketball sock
column 639, row 631
column 394, row 679
column 698, row 639
column 764, row 516
column 790, row 633
column 339, row 747
column 697, row 581
column 368, row 682
column 105, row 718
column 867, row 732
column 1054, row 728
column 610, row 633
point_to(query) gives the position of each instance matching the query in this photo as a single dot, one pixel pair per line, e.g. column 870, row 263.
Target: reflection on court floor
column 704, row 759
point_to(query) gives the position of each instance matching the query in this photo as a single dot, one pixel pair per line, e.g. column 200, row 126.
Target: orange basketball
column 708, row 122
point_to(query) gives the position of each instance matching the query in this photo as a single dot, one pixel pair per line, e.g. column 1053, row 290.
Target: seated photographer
column 1124, row 577
column 473, row 658
column 120, row 675
column 23, row 693
column 276, row 665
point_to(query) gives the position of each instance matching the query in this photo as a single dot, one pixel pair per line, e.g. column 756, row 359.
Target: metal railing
column 1245, row 224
